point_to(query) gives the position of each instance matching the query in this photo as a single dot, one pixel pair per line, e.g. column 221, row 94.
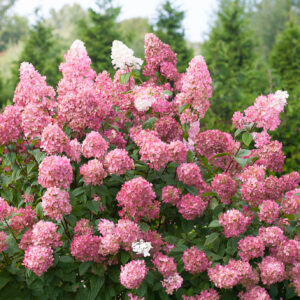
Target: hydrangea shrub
column 111, row 190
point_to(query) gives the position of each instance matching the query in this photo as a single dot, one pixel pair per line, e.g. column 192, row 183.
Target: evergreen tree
column 238, row 75
column 285, row 60
column 285, row 56
column 40, row 50
column 168, row 28
column 99, row 32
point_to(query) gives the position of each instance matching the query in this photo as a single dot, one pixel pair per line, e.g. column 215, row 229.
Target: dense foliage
column 110, row 190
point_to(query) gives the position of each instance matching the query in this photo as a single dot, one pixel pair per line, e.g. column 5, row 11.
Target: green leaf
column 4, row 279
column 93, row 206
column 211, row 238
column 214, row 224
column 124, row 257
column 247, row 138
column 241, row 161
column 39, row 210
column 183, row 108
column 167, row 92
column 96, row 284
column 190, row 156
column 243, row 153
column 238, row 132
column 124, row 78
column 84, row 267
column 66, row 259
column 149, row 124
column 144, row 226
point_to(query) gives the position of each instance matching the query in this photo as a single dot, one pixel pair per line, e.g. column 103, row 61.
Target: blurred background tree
column 251, row 48
column 98, row 33
column 168, row 27
column 230, row 52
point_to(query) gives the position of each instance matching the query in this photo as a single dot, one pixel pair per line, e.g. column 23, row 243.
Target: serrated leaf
column 124, row 78
column 84, row 267
column 93, row 206
column 247, row 138
column 211, row 238
column 220, row 155
column 96, row 284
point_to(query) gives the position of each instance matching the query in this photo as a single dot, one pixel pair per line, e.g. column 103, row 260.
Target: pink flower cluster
column 133, row 273
column 118, row 162
column 196, row 86
column 234, row 222
column 172, row 283
column 264, row 113
column 54, row 140
column 204, row 295
column 271, row 270
column 291, row 202
column 23, row 218
column 94, row 146
column 165, row 265
column 56, row 203
column 191, row 206
column 251, row 247
column 93, row 172
column 159, row 57
column 268, row 211
column 255, row 293
column 189, row 173
column 171, row 194
column 136, row 198
column 55, row 171
column 225, row 187
column 195, row 261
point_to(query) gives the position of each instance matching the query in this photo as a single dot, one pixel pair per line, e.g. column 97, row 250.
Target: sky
column 199, row 13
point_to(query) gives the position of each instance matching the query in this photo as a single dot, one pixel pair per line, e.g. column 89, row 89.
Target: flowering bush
column 110, row 190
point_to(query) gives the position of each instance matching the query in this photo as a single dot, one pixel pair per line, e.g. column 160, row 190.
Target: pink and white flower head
column 55, row 171
column 191, row 207
column 255, row 293
column 38, row 259
column 234, row 222
column 93, row 172
column 223, row 276
column 268, row 211
column 118, row 162
column 195, row 261
column 123, row 58
column 56, row 203
column 136, row 198
column 251, row 247
column 272, row 236
column 133, row 274
column 271, row 270
column 172, row 283
column 165, row 265
column 94, row 146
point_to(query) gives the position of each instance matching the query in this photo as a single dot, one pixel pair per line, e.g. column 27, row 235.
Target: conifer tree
column 40, row 49
column 169, row 29
column 285, row 60
column 99, row 32
column 237, row 74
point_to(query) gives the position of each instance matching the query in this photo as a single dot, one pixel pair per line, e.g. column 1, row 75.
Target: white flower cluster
column 123, row 58
column 143, row 98
column 78, row 47
column 279, row 100
column 142, row 247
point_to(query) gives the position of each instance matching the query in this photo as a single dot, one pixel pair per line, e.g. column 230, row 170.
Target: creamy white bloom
column 78, row 47
column 279, row 100
column 123, row 58
column 142, row 247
